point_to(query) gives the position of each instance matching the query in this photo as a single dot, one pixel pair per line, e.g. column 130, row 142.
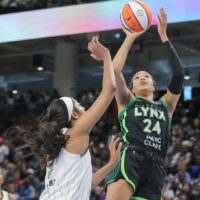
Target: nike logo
column 129, row 18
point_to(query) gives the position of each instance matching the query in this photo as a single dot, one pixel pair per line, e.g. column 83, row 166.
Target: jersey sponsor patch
column 153, row 141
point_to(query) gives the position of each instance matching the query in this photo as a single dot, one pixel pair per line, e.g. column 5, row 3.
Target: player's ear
column 75, row 115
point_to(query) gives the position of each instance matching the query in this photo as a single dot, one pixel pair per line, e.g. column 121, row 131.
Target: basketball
column 136, row 16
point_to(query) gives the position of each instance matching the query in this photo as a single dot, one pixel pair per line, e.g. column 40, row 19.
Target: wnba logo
column 140, row 13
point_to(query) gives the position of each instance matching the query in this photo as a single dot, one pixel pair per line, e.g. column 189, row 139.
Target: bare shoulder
column 77, row 143
column 11, row 197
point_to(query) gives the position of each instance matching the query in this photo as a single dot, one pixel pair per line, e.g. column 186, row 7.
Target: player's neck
column 146, row 96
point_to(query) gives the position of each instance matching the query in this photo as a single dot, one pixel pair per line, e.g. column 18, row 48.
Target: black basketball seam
column 121, row 16
column 136, row 18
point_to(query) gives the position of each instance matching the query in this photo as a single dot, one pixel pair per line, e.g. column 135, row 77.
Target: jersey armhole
column 130, row 103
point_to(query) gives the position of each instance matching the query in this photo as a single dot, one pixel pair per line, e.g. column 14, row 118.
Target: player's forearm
column 98, row 176
column 121, row 56
column 164, row 38
column 109, row 83
column 176, row 82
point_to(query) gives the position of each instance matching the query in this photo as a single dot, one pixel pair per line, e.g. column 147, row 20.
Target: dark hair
column 155, row 93
column 44, row 135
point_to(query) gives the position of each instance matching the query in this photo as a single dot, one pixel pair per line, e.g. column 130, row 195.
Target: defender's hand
column 97, row 50
column 114, row 152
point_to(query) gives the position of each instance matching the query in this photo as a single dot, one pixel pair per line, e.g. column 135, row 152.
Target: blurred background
column 43, row 55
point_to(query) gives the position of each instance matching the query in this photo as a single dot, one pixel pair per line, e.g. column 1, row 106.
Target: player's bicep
column 86, row 122
column 171, row 100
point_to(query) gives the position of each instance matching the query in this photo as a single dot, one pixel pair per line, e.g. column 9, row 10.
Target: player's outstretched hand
column 114, row 150
column 97, row 50
column 162, row 25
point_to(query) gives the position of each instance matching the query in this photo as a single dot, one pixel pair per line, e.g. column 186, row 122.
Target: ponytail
column 44, row 135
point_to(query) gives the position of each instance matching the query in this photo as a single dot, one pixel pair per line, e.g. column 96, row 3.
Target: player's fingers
column 112, row 139
column 158, row 18
column 97, row 41
column 111, row 143
column 119, row 147
column 93, row 39
column 115, row 143
column 163, row 15
column 90, row 47
column 94, row 56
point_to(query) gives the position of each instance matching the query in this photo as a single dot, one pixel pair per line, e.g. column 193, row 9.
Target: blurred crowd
column 9, row 6
column 21, row 171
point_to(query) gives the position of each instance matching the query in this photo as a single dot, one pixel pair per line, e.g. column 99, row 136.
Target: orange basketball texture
column 136, row 16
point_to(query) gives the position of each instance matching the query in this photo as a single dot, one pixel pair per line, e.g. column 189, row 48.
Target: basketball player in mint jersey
column 60, row 139
column 145, row 123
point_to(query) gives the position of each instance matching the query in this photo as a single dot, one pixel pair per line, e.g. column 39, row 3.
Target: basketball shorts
column 142, row 172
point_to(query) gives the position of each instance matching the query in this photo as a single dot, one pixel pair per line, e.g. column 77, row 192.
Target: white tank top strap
column 5, row 195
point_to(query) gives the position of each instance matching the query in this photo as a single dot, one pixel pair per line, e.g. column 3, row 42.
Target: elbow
column 109, row 90
column 112, row 90
column 117, row 71
column 113, row 87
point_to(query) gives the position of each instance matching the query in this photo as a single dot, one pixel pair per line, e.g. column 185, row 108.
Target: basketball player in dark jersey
column 144, row 123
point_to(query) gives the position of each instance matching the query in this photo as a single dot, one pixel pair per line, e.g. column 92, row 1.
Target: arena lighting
column 117, row 35
column 187, row 93
column 187, row 75
column 40, row 68
column 85, row 18
column 14, row 91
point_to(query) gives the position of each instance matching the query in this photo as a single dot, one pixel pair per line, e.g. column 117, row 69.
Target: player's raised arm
column 92, row 115
column 176, row 83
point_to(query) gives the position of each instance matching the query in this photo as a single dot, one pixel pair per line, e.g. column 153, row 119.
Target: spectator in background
column 167, row 193
column 27, row 191
column 181, row 196
column 175, row 150
column 195, row 191
column 3, row 194
column 12, row 188
column 4, row 150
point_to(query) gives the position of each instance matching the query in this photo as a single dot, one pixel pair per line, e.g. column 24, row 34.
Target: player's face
column 142, row 82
